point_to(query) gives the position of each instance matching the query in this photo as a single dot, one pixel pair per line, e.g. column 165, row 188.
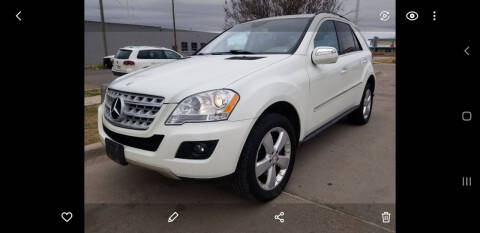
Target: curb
column 92, row 100
column 93, row 150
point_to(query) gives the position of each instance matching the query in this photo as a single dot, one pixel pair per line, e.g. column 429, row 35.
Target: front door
column 326, row 80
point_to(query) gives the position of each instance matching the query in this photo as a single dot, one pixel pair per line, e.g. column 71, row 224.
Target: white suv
column 243, row 104
column 132, row 58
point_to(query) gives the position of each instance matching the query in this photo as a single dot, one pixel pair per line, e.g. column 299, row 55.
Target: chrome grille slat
column 139, row 115
column 143, row 103
column 139, row 110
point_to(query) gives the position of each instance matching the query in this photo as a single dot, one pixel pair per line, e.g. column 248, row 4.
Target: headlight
column 213, row 105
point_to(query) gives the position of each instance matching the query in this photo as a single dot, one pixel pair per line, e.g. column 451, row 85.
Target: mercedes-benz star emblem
column 116, row 109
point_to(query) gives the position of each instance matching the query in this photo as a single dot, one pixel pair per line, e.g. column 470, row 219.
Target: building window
column 202, row 45
column 194, row 46
column 184, row 46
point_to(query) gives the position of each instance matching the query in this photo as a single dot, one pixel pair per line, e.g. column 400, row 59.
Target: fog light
column 196, row 149
column 200, row 148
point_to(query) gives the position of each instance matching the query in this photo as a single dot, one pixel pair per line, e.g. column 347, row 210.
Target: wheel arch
column 289, row 111
column 371, row 80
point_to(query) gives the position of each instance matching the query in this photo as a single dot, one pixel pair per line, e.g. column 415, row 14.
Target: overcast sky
column 208, row 15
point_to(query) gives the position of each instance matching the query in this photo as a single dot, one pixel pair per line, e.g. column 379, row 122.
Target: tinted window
column 194, row 46
column 123, row 54
column 184, row 46
column 171, row 55
column 151, row 54
column 326, row 35
column 357, row 42
column 345, row 38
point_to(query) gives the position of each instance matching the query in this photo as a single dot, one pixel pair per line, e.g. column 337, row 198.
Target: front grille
column 137, row 111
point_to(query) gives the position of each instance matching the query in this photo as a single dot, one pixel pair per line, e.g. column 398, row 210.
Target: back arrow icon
column 466, row 51
column 18, row 17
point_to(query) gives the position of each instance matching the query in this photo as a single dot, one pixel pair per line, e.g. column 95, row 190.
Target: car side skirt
column 328, row 124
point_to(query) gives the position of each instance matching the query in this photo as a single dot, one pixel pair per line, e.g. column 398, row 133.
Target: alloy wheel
column 367, row 103
column 273, row 158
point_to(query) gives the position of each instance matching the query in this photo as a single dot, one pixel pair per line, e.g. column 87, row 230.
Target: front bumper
column 231, row 136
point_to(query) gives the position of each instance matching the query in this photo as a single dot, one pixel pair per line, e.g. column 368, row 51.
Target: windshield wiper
column 233, row 51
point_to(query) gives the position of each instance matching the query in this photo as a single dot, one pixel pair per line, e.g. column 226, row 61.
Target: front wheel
column 267, row 158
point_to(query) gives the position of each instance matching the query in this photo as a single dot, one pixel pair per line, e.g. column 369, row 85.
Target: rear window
column 151, row 54
column 123, row 54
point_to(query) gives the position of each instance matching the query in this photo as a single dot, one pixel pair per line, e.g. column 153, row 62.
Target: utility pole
column 356, row 11
column 174, row 28
column 105, row 50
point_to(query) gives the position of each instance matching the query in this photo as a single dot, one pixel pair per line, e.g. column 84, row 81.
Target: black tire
column 244, row 178
column 357, row 116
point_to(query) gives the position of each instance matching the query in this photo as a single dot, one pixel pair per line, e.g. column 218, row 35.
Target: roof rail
column 326, row 12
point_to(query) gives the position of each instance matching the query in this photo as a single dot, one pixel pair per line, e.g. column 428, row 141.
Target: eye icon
column 412, row 15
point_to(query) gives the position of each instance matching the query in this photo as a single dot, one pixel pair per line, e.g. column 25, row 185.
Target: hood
column 185, row 77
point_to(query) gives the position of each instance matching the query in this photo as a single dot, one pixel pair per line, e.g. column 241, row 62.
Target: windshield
column 265, row 36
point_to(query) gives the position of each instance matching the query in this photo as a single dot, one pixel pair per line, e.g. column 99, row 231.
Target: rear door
column 119, row 59
column 353, row 60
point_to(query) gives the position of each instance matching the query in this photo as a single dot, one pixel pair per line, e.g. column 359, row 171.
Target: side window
column 184, row 46
column 357, row 42
column 171, row 55
column 345, row 38
column 326, row 36
column 151, row 54
column 357, row 45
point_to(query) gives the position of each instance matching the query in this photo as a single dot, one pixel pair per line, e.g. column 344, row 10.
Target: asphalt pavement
column 94, row 78
column 343, row 180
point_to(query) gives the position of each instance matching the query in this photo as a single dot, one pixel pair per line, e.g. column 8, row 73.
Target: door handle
column 344, row 70
column 364, row 60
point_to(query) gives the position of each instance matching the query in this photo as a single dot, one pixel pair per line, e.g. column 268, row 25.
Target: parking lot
column 343, row 180
column 95, row 78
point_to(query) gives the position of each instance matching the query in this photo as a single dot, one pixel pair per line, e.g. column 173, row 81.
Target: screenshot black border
column 437, row 108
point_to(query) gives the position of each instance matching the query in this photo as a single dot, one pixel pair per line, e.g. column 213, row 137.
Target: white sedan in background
column 132, row 58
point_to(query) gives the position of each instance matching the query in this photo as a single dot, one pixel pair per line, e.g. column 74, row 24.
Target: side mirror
column 324, row 55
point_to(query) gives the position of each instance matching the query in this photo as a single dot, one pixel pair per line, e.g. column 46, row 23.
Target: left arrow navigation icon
column 18, row 16
column 466, row 51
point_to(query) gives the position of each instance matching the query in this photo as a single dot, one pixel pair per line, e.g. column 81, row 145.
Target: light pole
column 356, row 11
column 105, row 50
column 174, row 28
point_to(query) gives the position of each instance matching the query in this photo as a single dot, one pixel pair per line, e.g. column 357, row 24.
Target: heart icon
column 66, row 216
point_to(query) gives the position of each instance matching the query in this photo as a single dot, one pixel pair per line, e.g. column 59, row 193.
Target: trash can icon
column 386, row 217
